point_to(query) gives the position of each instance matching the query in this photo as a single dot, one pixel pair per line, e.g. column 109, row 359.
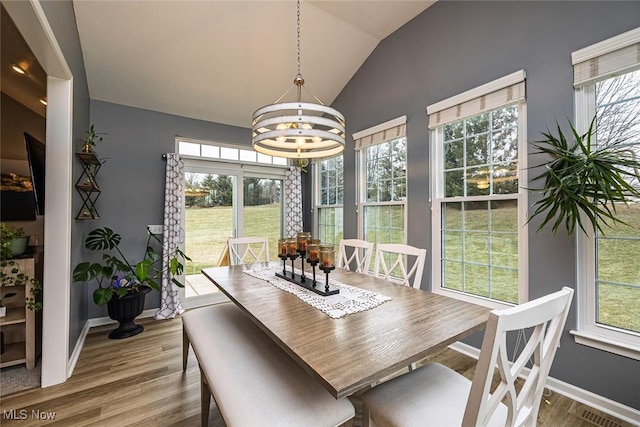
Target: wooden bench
column 252, row 380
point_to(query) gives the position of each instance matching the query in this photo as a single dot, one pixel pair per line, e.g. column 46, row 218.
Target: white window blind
column 606, row 59
column 495, row 94
column 393, row 129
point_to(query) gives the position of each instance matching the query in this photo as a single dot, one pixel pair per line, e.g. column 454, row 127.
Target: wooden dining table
column 350, row 353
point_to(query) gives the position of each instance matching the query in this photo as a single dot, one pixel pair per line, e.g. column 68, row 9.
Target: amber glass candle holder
column 282, row 247
column 313, row 253
column 282, row 254
column 302, row 239
column 313, row 258
column 327, row 262
column 327, row 256
column 292, row 247
column 317, row 255
column 292, row 252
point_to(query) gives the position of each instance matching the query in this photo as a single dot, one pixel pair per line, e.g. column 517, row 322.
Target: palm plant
column 584, row 180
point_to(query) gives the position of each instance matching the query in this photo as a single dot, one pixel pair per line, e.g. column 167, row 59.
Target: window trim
column 436, row 199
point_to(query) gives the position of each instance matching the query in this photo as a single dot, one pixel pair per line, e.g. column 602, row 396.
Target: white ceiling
column 221, row 60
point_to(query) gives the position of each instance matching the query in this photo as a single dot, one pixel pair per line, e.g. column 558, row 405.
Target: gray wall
column 455, row 46
column 132, row 178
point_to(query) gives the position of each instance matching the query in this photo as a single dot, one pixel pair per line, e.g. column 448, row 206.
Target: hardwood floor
column 139, row 381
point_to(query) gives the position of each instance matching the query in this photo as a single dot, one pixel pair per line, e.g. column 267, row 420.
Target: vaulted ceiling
column 28, row 88
column 221, row 60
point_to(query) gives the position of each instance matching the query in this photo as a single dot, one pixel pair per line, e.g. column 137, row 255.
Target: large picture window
column 607, row 82
column 478, row 201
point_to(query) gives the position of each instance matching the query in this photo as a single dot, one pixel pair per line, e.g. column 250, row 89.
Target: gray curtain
column 173, row 234
column 293, row 201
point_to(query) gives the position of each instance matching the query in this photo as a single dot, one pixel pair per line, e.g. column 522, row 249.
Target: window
column 607, row 81
column 479, row 248
column 329, row 198
column 217, row 151
column 382, row 189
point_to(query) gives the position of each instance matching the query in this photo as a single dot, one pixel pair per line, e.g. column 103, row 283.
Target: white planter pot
column 3, row 311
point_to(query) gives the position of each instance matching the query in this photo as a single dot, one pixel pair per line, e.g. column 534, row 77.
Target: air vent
column 597, row 418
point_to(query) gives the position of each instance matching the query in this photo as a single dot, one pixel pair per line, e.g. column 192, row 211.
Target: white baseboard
column 611, row 407
column 98, row 321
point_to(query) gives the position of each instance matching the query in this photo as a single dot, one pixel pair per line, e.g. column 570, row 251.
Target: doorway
column 32, row 23
column 222, row 201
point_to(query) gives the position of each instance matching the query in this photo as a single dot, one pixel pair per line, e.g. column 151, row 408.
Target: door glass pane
column 208, row 225
column 262, row 211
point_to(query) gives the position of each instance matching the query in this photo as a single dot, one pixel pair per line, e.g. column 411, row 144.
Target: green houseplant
column 583, row 180
column 122, row 285
column 90, row 141
column 3, row 309
column 116, row 275
column 10, row 272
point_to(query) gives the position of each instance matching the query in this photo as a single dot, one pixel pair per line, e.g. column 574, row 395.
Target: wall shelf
column 18, row 325
column 87, row 186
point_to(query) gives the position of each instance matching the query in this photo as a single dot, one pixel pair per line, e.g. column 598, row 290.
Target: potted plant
column 14, row 240
column 90, row 141
column 122, row 284
column 13, row 243
column 584, row 180
column 3, row 309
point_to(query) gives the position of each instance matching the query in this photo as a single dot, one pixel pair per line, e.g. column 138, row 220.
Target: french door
column 223, row 201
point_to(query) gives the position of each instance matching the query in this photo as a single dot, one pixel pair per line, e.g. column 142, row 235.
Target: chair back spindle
column 400, row 263
column 247, row 250
column 355, row 253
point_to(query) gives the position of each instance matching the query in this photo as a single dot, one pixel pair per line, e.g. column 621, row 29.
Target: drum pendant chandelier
column 299, row 130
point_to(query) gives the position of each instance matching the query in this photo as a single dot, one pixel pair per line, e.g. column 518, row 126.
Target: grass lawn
column 489, row 264
column 208, row 229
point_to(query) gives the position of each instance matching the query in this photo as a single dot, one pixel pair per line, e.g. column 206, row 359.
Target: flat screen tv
column 37, row 162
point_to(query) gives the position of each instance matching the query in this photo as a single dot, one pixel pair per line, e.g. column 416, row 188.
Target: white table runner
column 350, row 299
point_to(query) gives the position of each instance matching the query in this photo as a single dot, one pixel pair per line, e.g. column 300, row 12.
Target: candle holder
column 284, row 262
column 313, row 256
column 282, row 254
column 301, row 241
column 313, row 270
column 327, row 270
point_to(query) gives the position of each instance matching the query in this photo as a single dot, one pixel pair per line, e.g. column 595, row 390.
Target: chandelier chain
column 300, row 130
column 298, row 23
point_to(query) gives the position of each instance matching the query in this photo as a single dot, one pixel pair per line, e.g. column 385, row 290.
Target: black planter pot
column 124, row 310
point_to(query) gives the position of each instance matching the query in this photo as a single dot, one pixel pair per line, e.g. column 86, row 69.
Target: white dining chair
column 399, row 263
column 437, row 395
column 356, row 253
column 247, row 250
